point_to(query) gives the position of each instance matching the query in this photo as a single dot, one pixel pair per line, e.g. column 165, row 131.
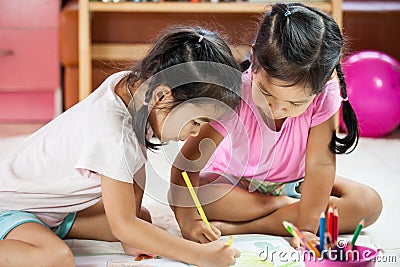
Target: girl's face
column 181, row 122
column 275, row 99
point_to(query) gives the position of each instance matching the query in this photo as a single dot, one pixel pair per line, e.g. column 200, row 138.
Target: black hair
column 179, row 45
column 302, row 45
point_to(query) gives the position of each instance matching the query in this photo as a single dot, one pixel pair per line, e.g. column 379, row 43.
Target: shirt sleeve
column 327, row 103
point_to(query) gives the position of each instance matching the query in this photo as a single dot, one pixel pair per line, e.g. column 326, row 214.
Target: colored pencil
column 229, row 242
column 330, row 221
column 195, row 199
column 335, row 226
column 310, row 246
column 294, row 232
column 298, row 234
column 322, row 232
column 357, row 232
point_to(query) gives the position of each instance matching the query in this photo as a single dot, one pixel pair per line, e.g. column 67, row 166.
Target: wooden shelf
column 122, row 51
column 111, row 51
column 187, row 7
column 135, row 52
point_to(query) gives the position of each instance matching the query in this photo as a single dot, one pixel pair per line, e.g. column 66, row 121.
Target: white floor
column 375, row 162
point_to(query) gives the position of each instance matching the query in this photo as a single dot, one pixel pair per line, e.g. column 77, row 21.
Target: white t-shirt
column 55, row 171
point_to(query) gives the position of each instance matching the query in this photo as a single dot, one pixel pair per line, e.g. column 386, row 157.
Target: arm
column 138, row 188
column 319, row 176
column 192, row 158
column 120, row 209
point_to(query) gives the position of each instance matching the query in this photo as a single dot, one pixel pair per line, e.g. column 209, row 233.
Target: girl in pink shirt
column 276, row 160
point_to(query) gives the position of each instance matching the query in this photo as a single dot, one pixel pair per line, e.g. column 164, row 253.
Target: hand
column 198, row 231
column 308, row 236
column 217, row 254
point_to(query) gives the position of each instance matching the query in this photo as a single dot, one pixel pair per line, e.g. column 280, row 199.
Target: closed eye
column 195, row 123
column 265, row 93
column 296, row 105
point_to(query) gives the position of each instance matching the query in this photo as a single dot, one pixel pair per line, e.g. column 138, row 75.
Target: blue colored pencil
column 322, row 233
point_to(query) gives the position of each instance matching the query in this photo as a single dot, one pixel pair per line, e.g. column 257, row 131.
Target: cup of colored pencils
column 332, row 251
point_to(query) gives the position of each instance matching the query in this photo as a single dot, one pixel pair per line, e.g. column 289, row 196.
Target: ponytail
column 348, row 143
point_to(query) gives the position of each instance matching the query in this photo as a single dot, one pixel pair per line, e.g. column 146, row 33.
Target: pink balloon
column 373, row 87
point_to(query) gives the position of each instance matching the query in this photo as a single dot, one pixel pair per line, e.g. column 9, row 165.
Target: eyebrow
column 204, row 119
column 290, row 101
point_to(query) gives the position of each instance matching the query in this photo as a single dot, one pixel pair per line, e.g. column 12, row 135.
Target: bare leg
column 32, row 244
column 346, row 195
column 243, row 205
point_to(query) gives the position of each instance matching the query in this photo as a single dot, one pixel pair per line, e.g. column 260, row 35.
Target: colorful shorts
column 291, row 189
column 11, row 219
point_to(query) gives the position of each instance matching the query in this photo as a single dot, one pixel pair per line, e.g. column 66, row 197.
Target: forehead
column 278, row 87
column 204, row 111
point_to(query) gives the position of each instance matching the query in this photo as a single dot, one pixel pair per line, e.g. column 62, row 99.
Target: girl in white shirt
column 82, row 175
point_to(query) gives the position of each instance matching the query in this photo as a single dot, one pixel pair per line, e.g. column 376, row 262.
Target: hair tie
column 287, row 13
column 200, row 38
column 145, row 103
column 345, row 99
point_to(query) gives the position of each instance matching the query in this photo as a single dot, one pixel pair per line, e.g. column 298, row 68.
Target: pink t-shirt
column 251, row 149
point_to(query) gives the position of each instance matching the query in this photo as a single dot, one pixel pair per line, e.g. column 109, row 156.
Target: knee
column 58, row 256
column 370, row 203
column 377, row 205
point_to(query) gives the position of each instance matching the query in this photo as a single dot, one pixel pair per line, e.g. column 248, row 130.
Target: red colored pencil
column 335, row 225
column 330, row 222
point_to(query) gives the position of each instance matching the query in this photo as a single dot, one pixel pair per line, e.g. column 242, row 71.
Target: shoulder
column 329, row 100
column 330, row 91
column 116, row 77
column 327, row 103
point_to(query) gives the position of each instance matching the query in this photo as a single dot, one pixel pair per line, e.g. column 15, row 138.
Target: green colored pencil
column 288, row 228
column 357, row 232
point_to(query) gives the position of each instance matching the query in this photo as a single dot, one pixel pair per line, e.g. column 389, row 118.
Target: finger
column 233, row 262
column 216, row 230
column 202, row 239
column 210, row 235
column 295, row 242
column 236, row 253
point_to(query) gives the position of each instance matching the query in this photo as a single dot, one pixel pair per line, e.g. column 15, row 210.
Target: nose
column 195, row 131
column 276, row 106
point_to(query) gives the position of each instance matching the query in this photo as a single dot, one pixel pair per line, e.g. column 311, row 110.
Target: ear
column 161, row 93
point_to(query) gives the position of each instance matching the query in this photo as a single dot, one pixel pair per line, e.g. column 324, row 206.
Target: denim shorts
column 11, row 219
